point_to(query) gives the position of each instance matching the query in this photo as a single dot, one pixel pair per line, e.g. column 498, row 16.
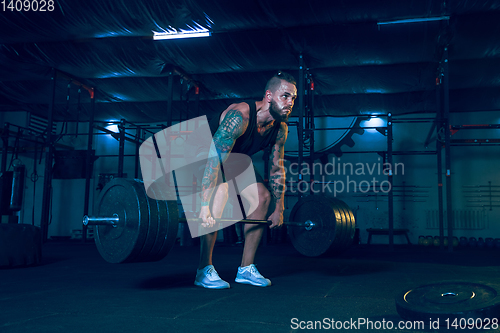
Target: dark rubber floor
column 74, row 290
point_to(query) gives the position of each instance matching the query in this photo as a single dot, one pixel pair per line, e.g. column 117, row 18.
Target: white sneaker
column 209, row 278
column 250, row 275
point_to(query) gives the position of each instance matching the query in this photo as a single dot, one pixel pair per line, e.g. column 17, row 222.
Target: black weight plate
column 169, row 217
column 162, row 224
column 342, row 227
column 320, row 210
column 449, row 300
column 350, row 224
column 153, row 227
column 127, row 199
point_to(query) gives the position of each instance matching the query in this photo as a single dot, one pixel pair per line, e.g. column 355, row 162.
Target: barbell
column 130, row 226
column 115, row 221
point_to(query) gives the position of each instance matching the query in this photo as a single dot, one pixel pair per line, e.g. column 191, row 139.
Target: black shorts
column 238, row 169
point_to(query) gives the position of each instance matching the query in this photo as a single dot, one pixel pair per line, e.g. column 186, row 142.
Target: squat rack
column 306, row 110
column 440, row 124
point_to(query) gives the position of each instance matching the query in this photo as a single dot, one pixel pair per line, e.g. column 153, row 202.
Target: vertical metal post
column 300, row 127
column 197, row 101
column 447, row 139
column 121, row 149
column 439, row 150
column 390, row 194
column 138, row 136
column 181, row 102
column 170, row 96
column 310, row 87
column 5, row 141
column 47, row 179
column 490, row 195
column 89, row 162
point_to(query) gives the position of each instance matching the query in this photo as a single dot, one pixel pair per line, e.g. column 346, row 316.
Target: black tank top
column 251, row 141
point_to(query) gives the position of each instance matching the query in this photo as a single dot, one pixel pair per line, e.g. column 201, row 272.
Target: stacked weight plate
column 335, row 225
column 144, row 232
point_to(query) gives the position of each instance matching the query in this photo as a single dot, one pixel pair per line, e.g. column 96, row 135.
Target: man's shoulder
column 237, row 110
column 243, row 107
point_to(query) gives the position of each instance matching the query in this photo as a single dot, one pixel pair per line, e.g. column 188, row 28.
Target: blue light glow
column 374, row 121
column 113, row 128
column 374, row 91
column 416, row 20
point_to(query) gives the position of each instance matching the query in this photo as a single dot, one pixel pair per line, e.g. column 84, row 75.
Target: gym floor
column 75, row 290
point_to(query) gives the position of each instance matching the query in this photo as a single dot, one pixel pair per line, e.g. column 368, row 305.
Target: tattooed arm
column 232, row 127
column 277, row 176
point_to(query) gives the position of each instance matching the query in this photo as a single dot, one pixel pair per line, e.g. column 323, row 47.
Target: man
column 247, row 128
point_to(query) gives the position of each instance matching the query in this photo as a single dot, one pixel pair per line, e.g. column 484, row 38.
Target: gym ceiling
column 358, row 65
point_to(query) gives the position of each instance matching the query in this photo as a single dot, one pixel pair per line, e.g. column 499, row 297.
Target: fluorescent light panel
column 415, row 20
column 193, row 31
column 178, row 35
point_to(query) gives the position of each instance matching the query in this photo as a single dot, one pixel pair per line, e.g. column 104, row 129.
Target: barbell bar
column 115, row 221
column 130, row 226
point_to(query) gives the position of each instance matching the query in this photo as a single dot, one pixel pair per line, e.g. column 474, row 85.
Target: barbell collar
column 94, row 220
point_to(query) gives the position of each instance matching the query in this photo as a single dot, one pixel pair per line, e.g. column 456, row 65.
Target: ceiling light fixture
column 415, row 20
column 172, row 33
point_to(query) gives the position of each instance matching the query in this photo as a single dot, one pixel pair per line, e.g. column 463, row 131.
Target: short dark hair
column 274, row 83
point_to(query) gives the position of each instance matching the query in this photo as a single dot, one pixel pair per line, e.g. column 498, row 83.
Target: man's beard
column 276, row 112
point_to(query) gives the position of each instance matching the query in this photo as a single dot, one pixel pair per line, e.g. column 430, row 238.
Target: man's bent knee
column 264, row 198
column 258, row 197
